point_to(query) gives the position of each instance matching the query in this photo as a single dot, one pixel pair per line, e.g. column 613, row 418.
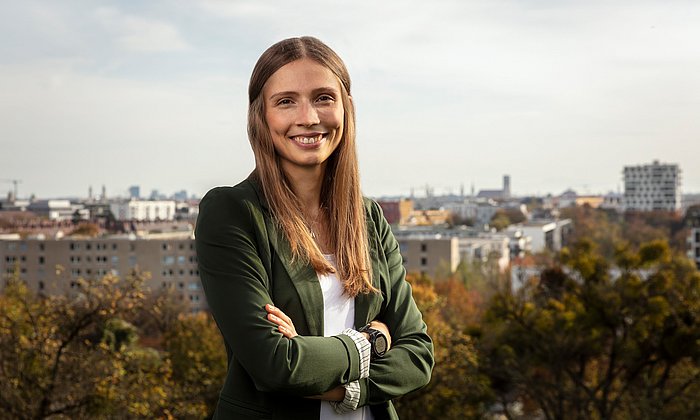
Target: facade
column 429, row 254
column 544, row 234
column 655, row 186
column 692, row 218
column 396, row 212
column 53, row 266
column 54, row 209
column 143, row 210
column 484, row 246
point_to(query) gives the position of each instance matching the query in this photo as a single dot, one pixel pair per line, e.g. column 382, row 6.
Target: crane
column 14, row 183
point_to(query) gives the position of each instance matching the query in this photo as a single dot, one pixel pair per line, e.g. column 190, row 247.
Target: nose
column 308, row 115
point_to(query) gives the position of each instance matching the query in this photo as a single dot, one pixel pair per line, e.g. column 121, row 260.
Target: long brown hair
column 341, row 198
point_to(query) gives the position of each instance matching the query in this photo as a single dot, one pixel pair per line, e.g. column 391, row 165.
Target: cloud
column 139, row 34
column 237, row 9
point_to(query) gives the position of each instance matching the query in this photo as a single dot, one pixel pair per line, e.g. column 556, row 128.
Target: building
column 692, row 217
column 398, row 211
column 143, row 210
column 655, row 186
column 485, row 246
column 54, row 209
column 544, row 234
column 429, row 254
column 135, row 192
column 501, row 194
column 54, row 265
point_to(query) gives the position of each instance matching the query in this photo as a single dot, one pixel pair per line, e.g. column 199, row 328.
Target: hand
column 379, row 325
column 284, row 323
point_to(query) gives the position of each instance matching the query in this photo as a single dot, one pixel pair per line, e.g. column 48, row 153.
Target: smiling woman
column 302, row 274
column 304, row 114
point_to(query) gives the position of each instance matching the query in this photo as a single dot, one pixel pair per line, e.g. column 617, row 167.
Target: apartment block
column 655, row 186
column 693, row 220
column 54, row 265
column 429, row 254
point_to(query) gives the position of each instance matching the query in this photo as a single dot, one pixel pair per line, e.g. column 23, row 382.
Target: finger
column 278, row 312
column 277, row 320
column 286, row 332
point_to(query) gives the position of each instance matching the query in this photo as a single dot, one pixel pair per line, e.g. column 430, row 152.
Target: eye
column 284, row 101
column 325, row 98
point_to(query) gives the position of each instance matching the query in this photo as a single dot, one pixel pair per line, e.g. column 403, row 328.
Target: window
column 115, row 259
column 181, row 285
column 423, row 247
column 193, row 286
column 423, row 261
column 132, row 247
column 132, row 260
column 42, row 247
column 41, row 285
column 114, row 247
column 168, row 260
column 181, row 259
column 41, row 260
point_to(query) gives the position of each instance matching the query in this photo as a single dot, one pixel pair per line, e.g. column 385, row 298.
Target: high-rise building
column 655, row 186
column 135, row 192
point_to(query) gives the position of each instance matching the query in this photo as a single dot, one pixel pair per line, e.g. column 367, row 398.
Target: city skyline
column 556, row 94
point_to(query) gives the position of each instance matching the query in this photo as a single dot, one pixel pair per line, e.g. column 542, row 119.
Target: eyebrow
column 295, row 93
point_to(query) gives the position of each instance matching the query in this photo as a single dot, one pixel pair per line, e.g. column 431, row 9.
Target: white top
column 338, row 315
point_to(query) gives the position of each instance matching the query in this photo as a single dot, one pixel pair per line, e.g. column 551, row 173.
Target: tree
column 596, row 338
column 456, row 389
column 64, row 355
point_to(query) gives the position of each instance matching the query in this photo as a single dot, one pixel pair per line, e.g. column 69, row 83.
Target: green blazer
column 245, row 262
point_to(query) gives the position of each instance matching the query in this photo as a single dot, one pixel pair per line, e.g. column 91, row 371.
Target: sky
column 451, row 94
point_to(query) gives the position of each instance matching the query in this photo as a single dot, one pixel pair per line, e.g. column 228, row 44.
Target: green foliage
column 79, row 355
column 457, row 389
column 582, row 343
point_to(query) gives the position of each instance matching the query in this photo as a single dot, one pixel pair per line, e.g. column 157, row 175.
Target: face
column 304, row 112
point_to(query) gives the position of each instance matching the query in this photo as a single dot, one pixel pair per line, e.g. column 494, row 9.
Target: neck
column 306, row 182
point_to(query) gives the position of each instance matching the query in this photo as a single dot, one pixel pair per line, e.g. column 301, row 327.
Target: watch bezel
column 374, row 334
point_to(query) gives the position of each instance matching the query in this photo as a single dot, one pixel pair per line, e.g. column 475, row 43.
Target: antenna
column 14, row 183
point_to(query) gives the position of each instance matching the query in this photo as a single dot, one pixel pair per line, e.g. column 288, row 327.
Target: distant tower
column 461, row 190
column 472, row 194
column 90, row 193
column 135, row 191
column 506, row 186
column 104, row 193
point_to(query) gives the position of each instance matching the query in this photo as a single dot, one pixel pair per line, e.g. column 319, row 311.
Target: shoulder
column 373, row 210
column 229, row 205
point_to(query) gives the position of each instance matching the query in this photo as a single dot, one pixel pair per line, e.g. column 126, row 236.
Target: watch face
column 380, row 345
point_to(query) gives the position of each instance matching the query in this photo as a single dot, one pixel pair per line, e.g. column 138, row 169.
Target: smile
column 311, row 138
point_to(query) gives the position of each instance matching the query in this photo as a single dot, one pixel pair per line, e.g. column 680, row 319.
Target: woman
column 293, row 260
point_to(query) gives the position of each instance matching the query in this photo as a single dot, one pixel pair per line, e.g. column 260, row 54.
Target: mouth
column 309, row 139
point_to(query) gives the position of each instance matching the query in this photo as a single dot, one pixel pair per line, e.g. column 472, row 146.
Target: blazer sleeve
column 235, row 283
column 407, row 366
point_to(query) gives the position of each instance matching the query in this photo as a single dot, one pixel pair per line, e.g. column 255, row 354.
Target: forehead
column 300, row 76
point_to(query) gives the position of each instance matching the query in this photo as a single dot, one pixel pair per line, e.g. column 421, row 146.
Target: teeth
column 308, row 140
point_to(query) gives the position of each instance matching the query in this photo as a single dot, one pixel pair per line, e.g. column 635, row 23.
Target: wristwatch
column 377, row 340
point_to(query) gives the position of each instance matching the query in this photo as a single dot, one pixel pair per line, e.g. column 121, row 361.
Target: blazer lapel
column 301, row 273
column 303, row 277
column 366, row 304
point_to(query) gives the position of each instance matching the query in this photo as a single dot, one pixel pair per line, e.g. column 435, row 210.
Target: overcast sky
column 558, row 94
